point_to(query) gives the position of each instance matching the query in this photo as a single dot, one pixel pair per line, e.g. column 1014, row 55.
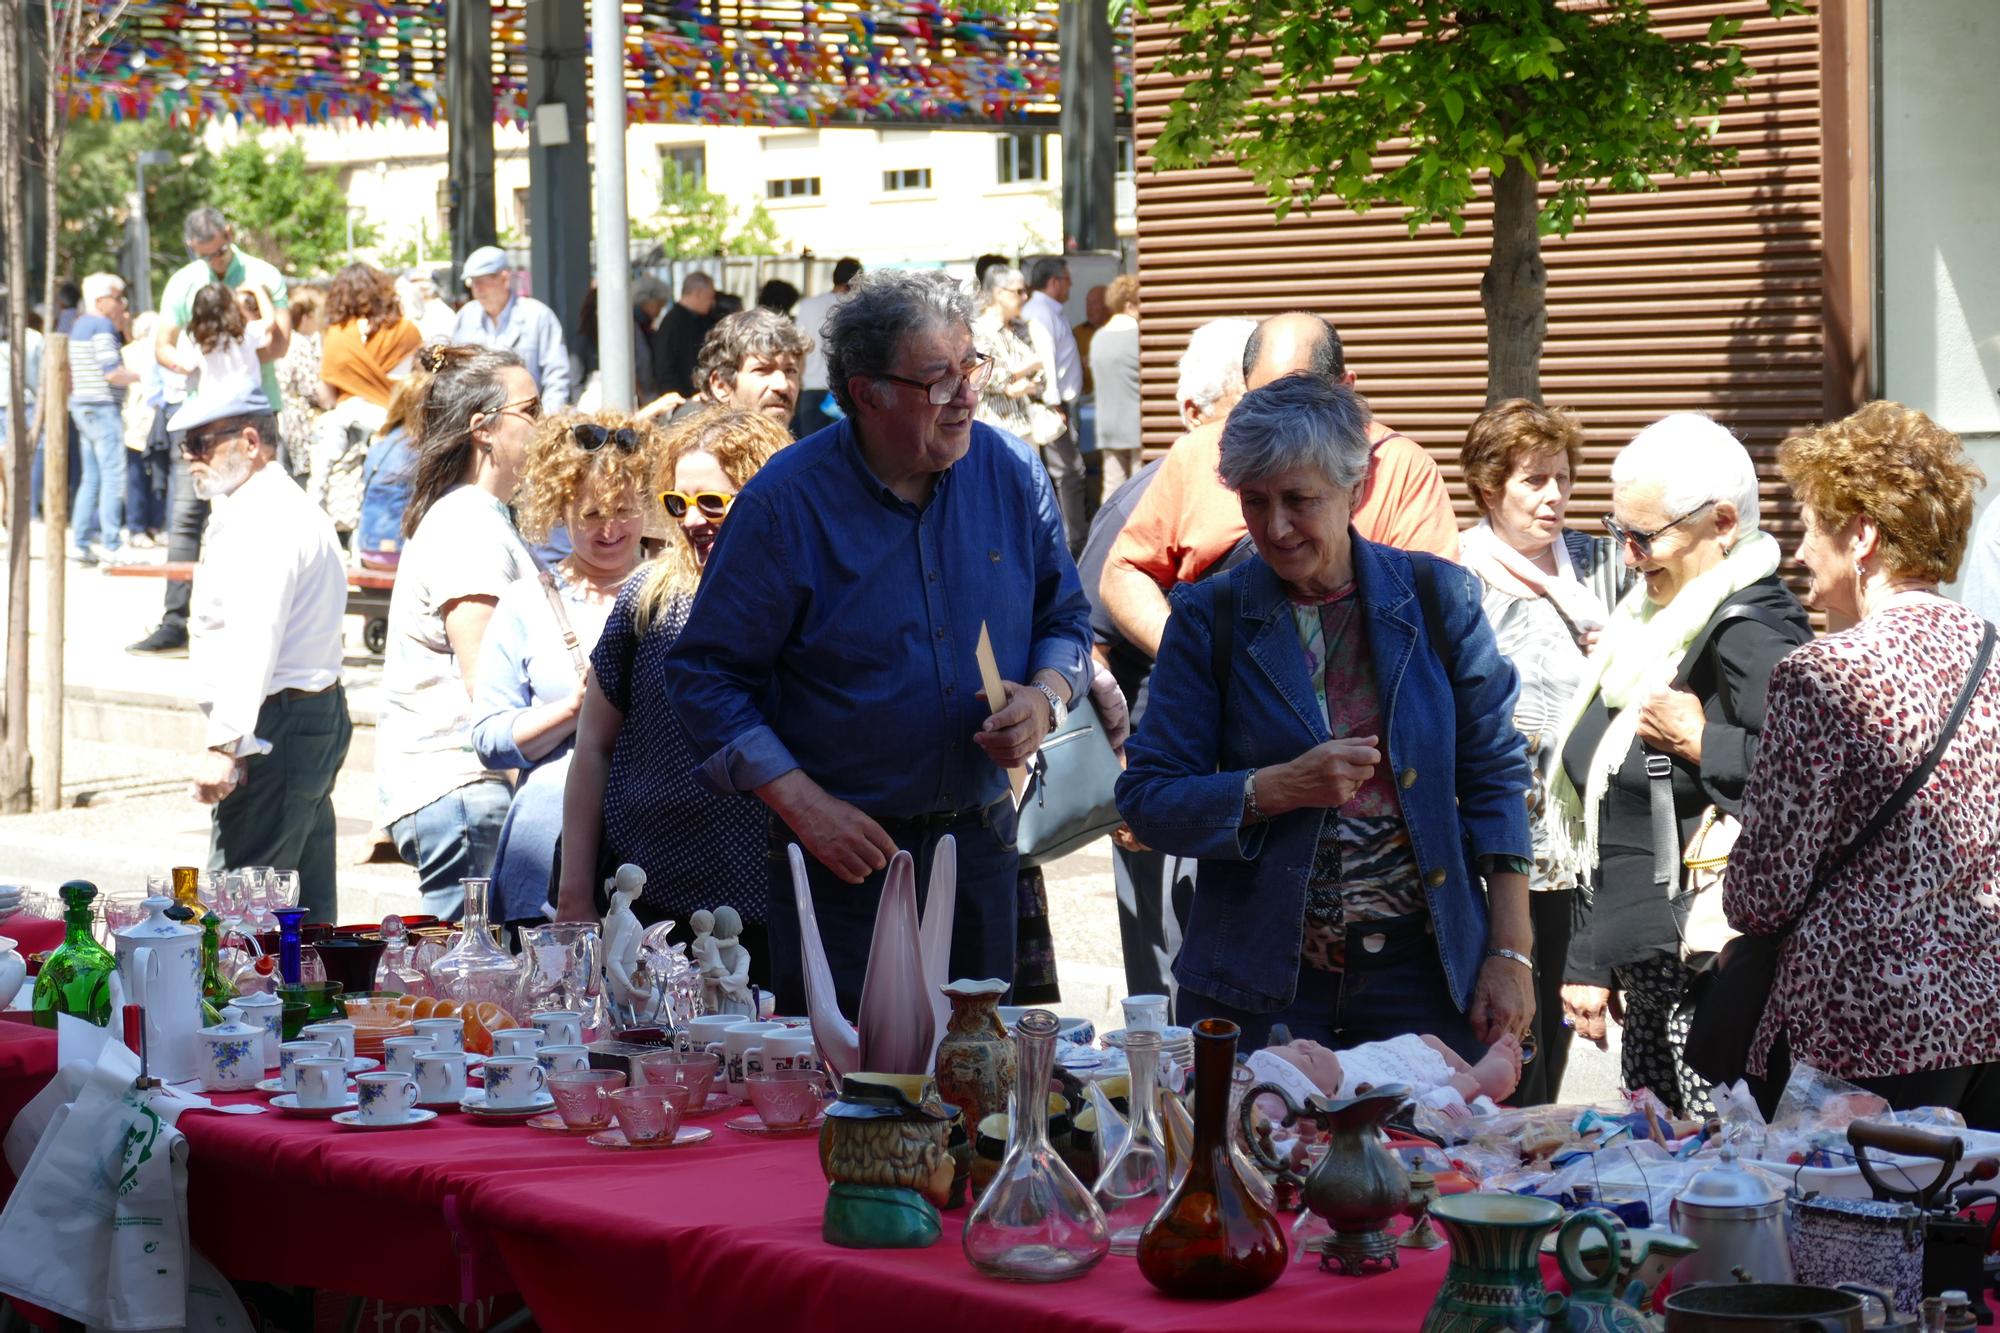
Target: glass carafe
column 1241, row 1080
column 1213, row 1239
column 562, row 960
column 76, row 979
column 1135, row 1182
column 476, row 968
column 398, row 970
column 1036, row 1222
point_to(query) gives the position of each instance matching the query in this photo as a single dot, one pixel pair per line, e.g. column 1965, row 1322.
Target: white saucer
column 361, row 1064
column 353, row 1120
column 474, row 1103
column 288, row 1102
column 451, row 1105
column 278, row 1085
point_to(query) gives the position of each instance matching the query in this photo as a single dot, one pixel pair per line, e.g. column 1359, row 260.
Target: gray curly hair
column 864, row 332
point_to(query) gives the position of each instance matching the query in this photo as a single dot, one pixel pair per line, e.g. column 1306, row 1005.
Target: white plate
column 474, row 1103
column 278, row 1085
column 361, row 1064
column 288, row 1102
column 353, row 1120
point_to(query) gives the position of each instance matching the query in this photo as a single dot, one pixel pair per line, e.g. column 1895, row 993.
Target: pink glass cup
column 786, row 1098
column 649, row 1114
column 583, row 1096
column 694, row 1071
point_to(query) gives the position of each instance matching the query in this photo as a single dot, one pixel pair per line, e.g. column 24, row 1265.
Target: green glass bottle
column 215, row 991
column 76, row 979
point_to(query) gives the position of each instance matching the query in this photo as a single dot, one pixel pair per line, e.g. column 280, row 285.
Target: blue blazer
column 1461, row 768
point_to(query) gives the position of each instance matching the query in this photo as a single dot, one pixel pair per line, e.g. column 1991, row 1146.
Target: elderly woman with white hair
column 1664, row 726
column 1331, row 734
column 1211, row 370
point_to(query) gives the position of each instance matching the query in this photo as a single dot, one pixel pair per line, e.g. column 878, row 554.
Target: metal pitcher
column 1737, row 1215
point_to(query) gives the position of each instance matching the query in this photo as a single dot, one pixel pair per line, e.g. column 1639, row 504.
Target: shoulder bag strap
column 1734, row 611
column 1911, row 784
column 570, row 640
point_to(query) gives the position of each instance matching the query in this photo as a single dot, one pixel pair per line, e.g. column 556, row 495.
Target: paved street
column 127, row 811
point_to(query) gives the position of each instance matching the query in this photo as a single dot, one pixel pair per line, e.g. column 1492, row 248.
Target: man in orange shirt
column 1188, row 520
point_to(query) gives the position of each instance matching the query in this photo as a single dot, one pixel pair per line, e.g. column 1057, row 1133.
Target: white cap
column 245, row 399
column 487, row 259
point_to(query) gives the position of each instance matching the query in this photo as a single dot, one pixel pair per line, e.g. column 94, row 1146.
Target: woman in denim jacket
column 1342, row 759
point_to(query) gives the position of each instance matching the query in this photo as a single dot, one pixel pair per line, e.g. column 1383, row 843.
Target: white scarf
column 1641, row 649
column 1487, row 554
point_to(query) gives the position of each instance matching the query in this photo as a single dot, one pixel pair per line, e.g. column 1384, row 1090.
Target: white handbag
column 1704, row 862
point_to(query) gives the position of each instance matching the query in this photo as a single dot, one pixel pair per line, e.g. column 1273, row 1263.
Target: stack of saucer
column 1175, row 1042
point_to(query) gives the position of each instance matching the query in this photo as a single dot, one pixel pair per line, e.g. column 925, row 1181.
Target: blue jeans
column 451, row 839
column 983, row 922
column 100, row 499
column 1396, row 987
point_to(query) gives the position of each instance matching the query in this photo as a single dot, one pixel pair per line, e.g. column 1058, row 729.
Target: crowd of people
column 1383, row 777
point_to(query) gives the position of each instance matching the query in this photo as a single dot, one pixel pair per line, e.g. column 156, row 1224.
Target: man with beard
column 265, row 646
column 752, row 360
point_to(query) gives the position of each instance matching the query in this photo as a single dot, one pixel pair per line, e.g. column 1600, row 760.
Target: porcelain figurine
column 732, row 984
column 625, row 972
column 903, row 1006
column 885, row 1152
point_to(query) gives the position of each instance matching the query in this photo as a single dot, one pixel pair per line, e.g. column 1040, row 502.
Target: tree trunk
column 1514, row 290
column 16, row 776
column 54, row 413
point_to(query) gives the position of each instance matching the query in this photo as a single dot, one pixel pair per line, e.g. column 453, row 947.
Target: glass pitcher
column 476, row 968
column 561, row 973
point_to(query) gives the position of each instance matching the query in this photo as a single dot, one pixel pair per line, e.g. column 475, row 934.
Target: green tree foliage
column 1588, row 96
column 286, row 210
column 694, row 222
column 98, row 179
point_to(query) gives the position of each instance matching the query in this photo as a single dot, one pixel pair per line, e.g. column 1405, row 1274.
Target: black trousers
column 187, row 515
column 1154, row 892
column 281, row 813
column 1552, row 914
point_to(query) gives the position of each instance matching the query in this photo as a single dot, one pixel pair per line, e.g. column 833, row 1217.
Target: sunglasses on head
column 712, row 504
column 590, row 437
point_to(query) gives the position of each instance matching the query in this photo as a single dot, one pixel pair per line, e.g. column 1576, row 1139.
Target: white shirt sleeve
column 242, row 595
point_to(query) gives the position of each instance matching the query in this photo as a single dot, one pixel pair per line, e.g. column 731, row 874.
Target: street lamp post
column 149, row 157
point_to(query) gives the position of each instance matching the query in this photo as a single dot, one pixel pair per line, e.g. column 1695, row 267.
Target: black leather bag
column 1732, row 996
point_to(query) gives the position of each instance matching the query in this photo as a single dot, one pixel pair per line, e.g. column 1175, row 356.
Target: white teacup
column 399, row 1054
column 322, row 1081
column 289, row 1055
column 339, row 1032
column 386, row 1098
column 446, row 1034
column 440, row 1076
column 514, row 1082
column 560, row 1059
column 697, row 1033
column 517, row 1041
column 559, row 1027
column 735, row 1043
column 1145, row 1013
column 786, row 1049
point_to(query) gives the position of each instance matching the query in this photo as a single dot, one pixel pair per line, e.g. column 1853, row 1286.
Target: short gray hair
column 97, row 286
column 1296, row 421
column 884, row 306
column 1694, row 460
column 747, row 333
column 1000, row 275
column 204, row 224
column 1211, row 368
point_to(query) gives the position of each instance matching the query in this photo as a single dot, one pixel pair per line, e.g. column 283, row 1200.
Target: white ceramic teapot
column 13, row 971
column 159, row 968
column 231, row 1053
column 264, row 1010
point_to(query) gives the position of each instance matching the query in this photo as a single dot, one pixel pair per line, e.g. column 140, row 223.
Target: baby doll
column 1438, row 1077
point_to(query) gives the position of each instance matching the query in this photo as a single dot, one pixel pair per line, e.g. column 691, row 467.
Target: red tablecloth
column 595, row 1239
column 31, row 935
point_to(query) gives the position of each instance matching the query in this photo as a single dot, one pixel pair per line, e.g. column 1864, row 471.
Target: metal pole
column 614, row 258
column 145, row 273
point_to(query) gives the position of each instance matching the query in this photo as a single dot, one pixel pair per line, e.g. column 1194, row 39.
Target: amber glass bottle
column 1213, row 1238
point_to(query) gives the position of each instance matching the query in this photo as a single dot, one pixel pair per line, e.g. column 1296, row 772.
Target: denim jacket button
column 1435, row 879
column 1409, row 778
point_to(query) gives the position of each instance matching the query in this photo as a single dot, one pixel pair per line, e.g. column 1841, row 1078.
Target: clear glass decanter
column 476, row 968
column 1136, row 1180
column 1036, row 1222
column 398, row 970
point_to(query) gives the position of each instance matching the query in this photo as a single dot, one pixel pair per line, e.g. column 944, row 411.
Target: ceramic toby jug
column 1495, row 1277
column 1358, row 1187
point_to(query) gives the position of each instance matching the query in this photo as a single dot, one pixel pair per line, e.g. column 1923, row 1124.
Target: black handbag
column 1732, row 997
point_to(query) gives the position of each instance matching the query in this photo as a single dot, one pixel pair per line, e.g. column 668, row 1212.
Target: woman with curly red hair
column 1887, row 930
column 366, row 349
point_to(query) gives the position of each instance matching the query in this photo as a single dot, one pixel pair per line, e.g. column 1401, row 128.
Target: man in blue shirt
column 495, row 317
column 96, row 400
column 828, row 666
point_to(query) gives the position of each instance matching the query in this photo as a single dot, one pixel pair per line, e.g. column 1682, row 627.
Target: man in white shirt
column 810, row 316
column 265, row 647
column 1048, row 280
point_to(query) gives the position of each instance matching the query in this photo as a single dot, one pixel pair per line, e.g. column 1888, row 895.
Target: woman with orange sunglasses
column 633, row 793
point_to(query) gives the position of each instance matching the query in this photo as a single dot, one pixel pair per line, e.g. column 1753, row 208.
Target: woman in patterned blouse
column 1890, row 980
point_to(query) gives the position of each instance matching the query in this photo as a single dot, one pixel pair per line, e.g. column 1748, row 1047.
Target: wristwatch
column 1058, row 710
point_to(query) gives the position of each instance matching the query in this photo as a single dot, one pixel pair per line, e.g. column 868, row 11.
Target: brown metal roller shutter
column 1705, row 295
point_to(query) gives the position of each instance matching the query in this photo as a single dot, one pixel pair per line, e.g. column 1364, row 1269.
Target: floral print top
column 1895, row 968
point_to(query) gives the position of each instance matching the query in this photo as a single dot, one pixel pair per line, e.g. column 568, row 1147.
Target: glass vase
column 1035, row 1222
column 1212, row 1239
column 398, row 970
column 290, row 961
column 1135, row 1182
column 476, row 968
column 76, row 979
